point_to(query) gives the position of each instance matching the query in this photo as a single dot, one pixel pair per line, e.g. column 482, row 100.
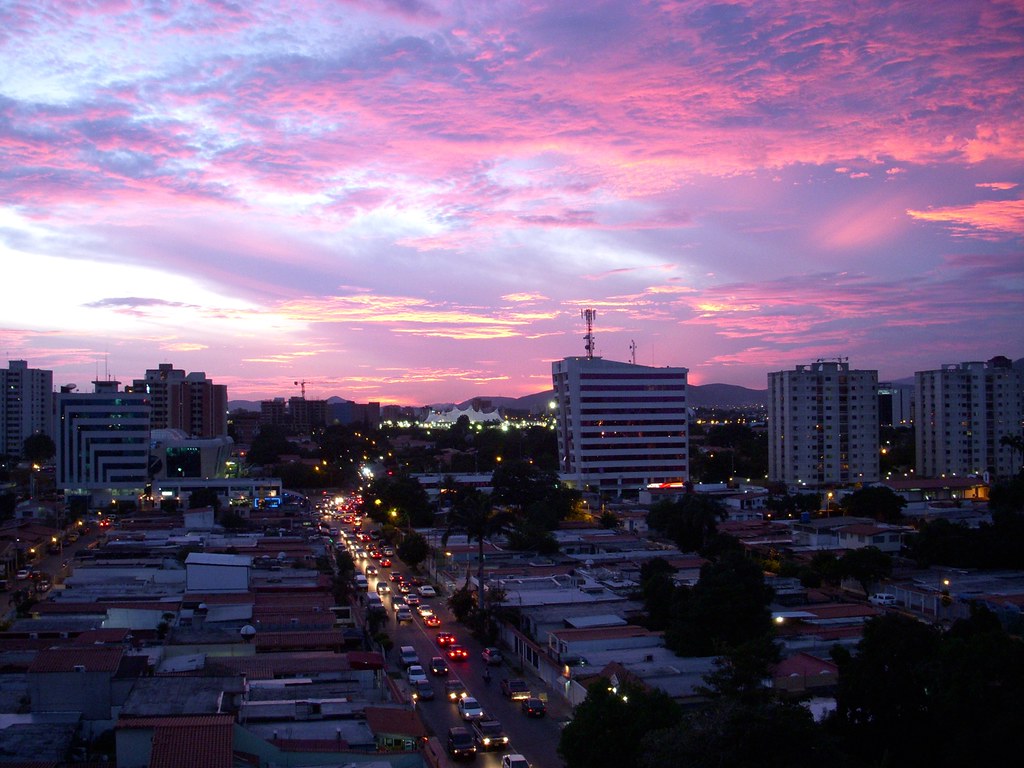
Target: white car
column 427, row 591
column 415, row 674
column 424, row 610
column 470, row 709
column 514, row 761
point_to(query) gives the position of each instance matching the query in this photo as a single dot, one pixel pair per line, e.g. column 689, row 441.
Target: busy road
column 534, row 736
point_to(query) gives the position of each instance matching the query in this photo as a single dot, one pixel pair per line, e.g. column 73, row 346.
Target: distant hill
column 700, row 396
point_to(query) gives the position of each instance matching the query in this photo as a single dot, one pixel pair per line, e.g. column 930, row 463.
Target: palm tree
column 473, row 515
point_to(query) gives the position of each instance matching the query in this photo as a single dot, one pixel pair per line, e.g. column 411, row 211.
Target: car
column 470, row 709
column 407, row 656
column 489, row 734
column 385, row 562
column 515, row 689
column 23, row 574
column 438, row 666
column 403, row 614
column 404, row 588
column 415, row 674
column 424, row 610
column 454, row 689
column 375, row 554
column 445, row 638
column 371, row 570
column 533, row 707
column 491, row 656
column 396, row 576
column 461, row 743
column 432, row 620
column 427, row 591
column 514, row 761
column 412, row 599
column 422, row 690
column 457, row 653
column 882, row 598
column 388, row 552
column 383, row 588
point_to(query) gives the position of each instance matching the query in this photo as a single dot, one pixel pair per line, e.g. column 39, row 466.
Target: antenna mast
column 632, row 351
column 588, row 315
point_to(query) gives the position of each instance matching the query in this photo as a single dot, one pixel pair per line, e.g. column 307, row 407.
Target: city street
column 535, row 738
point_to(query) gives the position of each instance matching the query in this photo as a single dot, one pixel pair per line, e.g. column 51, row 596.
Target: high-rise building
column 186, row 401
column 103, row 441
column 26, row 405
column 823, row 425
column 964, row 411
column 621, row 426
column 895, row 405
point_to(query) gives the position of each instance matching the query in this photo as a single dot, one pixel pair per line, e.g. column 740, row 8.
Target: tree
column 866, row 565
column 912, row 695
column 269, row 444
column 391, row 498
column 657, row 588
column 473, row 515
column 413, row 549
column 875, row 501
column 728, row 606
column 607, row 727
column 690, row 521
column 38, row 448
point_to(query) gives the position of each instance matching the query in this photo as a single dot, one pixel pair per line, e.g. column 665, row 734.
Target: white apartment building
column 823, row 425
column 964, row 409
column 26, row 405
column 103, row 442
column 621, row 426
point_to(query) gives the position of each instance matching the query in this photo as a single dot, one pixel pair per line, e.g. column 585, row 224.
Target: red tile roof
column 292, row 640
column 395, row 721
column 95, row 659
column 187, row 742
column 804, row 664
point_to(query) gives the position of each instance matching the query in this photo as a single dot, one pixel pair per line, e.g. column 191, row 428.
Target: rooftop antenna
column 588, row 315
column 303, row 385
column 632, row 351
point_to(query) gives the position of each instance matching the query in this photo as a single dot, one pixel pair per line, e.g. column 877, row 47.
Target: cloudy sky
column 412, row 200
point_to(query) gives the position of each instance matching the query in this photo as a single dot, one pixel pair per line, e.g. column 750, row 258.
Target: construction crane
column 302, row 384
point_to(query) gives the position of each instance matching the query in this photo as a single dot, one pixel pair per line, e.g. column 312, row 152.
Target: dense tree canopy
column 913, row 696
column 607, row 728
column 691, row 521
column 38, row 448
column 875, row 501
column 727, row 607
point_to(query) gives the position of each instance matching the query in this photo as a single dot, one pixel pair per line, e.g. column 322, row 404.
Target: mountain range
column 699, row 395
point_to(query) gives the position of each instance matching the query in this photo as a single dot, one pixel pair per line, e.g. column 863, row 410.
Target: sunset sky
column 411, row 201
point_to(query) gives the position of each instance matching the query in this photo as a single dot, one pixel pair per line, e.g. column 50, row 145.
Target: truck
column 489, row 734
column 515, row 689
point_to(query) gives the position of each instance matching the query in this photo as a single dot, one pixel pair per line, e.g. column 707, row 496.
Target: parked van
column 407, row 656
column 374, row 603
column 882, row 598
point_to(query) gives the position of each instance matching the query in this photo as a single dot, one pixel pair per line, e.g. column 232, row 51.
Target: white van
column 882, row 598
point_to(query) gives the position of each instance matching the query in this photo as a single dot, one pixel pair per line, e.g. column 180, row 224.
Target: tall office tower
column 823, row 425
column 26, row 405
column 189, row 402
column 620, row 426
column 895, row 405
column 964, row 409
column 102, row 442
